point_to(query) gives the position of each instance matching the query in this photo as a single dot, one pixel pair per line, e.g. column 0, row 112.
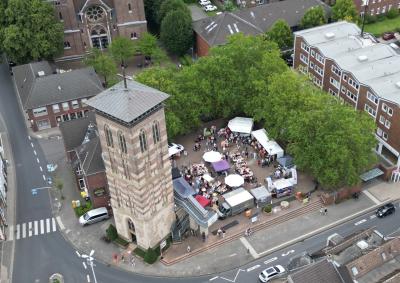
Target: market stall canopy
column 281, row 184
column 221, row 166
column 261, row 194
column 234, row 180
column 203, row 201
column 273, row 148
column 261, row 136
column 182, row 188
column 286, row 161
column 241, row 125
column 208, row 178
column 212, row 156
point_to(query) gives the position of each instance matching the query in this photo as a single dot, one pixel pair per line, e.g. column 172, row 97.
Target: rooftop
column 374, row 64
column 40, row 84
column 319, row 272
column 127, row 105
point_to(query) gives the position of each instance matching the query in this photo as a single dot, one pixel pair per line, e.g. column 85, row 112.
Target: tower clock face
column 95, row 13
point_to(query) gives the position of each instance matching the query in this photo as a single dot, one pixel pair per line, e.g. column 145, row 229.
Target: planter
column 56, row 278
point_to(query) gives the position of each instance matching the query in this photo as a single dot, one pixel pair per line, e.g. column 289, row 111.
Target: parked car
column 210, row 8
column 174, row 148
column 93, row 216
column 388, row 36
column 385, row 210
column 271, row 272
column 204, row 2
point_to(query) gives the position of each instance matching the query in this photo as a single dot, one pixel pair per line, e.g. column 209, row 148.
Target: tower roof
column 127, row 105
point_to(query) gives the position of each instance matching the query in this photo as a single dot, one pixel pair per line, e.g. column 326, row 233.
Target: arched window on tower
column 142, row 140
column 156, row 132
column 129, row 7
column 109, row 138
column 122, row 142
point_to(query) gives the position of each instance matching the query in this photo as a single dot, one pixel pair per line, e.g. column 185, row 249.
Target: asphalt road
column 36, row 257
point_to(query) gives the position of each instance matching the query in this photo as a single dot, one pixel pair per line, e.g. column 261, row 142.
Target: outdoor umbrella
column 212, row 156
column 234, row 180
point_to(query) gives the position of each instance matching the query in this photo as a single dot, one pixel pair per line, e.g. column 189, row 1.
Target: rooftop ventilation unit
column 398, row 84
column 362, row 244
column 41, row 73
column 329, row 35
column 362, row 58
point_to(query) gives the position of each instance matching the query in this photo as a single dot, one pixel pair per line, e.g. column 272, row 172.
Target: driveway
column 197, row 12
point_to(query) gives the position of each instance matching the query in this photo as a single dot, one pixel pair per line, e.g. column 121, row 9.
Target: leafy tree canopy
column 281, row 34
column 147, row 45
column 121, row 49
column 176, row 32
column 344, row 10
column 104, row 66
column 169, row 6
column 31, row 31
column 315, row 16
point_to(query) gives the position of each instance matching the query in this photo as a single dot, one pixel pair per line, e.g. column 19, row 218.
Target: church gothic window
column 142, row 140
column 122, row 142
column 109, row 138
column 95, row 13
column 156, row 132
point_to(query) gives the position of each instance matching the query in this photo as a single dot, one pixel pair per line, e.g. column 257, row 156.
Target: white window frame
column 385, row 136
column 373, row 98
column 304, row 59
column 334, row 82
column 379, row 132
column 75, row 104
column 387, row 124
column 384, row 107
column 371, row 111
column 336, row 70
column 56, row 108
column 65, row 106
column 312, row 64
column 40, row 111
column 312, row 53
column 390, row 111
column 351, row 95
column 382, row 119
column 345, row 77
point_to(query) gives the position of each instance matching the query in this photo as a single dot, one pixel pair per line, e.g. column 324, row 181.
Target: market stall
column 274, row 149
column 241, row 125
column 221, row 166
column 261, row 137
column 212, row 156
column 204, row 202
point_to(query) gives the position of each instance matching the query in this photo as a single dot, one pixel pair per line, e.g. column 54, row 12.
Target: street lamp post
column 90, row 261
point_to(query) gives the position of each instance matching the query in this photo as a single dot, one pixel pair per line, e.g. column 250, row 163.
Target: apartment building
column 376, row 7
column 359, row 71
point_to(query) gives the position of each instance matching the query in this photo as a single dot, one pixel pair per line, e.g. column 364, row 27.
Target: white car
column 174, row 148
column 210, row 8
column 204, row 2
column 271, row 272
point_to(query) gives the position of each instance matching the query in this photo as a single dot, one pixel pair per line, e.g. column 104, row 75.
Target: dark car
column 388, row 36
column 385, row 210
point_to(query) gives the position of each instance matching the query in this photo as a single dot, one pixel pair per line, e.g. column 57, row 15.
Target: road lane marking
column 34, row 152
column 270, row 260
column 18, row 232
column 44, row 177
column 371, row 197
column 84, row 265
column 41, row 226
column 88, row 278
column 249, row 247
column 30, row 229
column 360, row 222
column 62, row 227
column 37, row 160
column 11, row 233
column 287, row 253
column 29, row 137
column 32, row 144
column 372, row 216
column 41, row 169
column 253, row 268
column 23, row 230
column 234, row 279
column 232, row 255
column 47, row 225
column 36, row 228
column 211, row 279
column 53, row 222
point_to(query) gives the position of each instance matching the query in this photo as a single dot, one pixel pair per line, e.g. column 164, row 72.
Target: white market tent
column 261, row 136
column 272, row 147
column 241, row 125
column 212, row 156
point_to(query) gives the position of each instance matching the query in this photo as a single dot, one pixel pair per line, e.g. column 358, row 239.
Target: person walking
column 188, row 249
column 223, row 233
column 133, row 262
column 325, row 211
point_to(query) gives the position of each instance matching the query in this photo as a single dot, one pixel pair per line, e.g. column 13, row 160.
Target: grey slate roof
column 90, row 156
column 252, row 21
column 127, row 105
column 73, row 131
column 319, row 272
column 374, row 64
column 38, row 91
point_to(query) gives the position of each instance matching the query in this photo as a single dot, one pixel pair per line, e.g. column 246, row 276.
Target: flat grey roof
column 128, row 104
column 374, row 64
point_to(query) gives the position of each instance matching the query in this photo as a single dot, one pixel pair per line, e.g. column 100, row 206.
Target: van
column 93, row 216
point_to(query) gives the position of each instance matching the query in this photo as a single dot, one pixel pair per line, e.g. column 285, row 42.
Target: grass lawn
column 380, row 27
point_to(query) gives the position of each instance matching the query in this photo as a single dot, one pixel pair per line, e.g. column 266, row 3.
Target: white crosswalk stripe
column 34, row 228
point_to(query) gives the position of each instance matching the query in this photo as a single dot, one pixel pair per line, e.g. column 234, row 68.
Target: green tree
column 147, row 46
column 121, row 50
column 2, row 22
column 229, row 6
column 170, row 6
column 151, row 8
column 315, row 16
column 31, row 31
column 281, row 34
column 176, row 32
column 104, row 66
column 344, row 10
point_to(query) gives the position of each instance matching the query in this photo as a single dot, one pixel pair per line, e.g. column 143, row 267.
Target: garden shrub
column 151, row 256
column 81, row 210
column 112, row 233
column 268, row 208
column 393, row 13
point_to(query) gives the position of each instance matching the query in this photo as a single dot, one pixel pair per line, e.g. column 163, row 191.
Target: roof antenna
column 365, row 4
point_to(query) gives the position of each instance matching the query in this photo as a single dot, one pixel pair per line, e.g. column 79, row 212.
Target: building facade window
column 382, row 120
column 354, row 84
column 60, row 16
column 345, row 77
column 41, row 111
column 129, row 7
column 372, row 98
column 65, row 106
column 387, row 124
column 56, row 108
column 385, row 136
column 379, row 132
column 142, row 141
column 156, row 132
column 312, row 53
column 390, row 111
column 334, row 82
column 75, row 104
column 336, row 71
column 351, row 95
column 334, row 93
column 109, row 138
column 67, row 45
column 304, row 59
column 122, row 143
column 371, row 111
column 319, row 58
column 305, row 47
column 312, row 65
column 319, row 70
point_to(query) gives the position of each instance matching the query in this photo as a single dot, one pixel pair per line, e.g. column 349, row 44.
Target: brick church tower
column 132, row 130
column 94, row 23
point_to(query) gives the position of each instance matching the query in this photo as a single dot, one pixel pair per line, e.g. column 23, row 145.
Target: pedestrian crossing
column 35, row 228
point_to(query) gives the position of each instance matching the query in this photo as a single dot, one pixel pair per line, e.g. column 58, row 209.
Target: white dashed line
column 360, row 222
column 41, row 169
column 270, row 260
column 252, row 268
column 288, row 253
column 37, row 159
column 232, row 255
column 44, row 177
column 32, row 144
column 29, row 137
column 372, row 216
column 34, row 152
column 211, row 279
column 84, row 265
column 88, row 278
column 62, row 227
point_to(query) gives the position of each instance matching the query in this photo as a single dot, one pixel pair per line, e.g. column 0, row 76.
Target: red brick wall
column 94, row 182
column 202, row 46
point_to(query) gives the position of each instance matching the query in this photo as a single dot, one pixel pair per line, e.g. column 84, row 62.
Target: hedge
column 81, row 210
